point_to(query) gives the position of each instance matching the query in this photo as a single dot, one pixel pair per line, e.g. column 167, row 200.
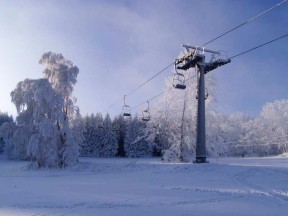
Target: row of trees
column 50, row 131
column 174, row 117
column 171, row 132
column 103, row 137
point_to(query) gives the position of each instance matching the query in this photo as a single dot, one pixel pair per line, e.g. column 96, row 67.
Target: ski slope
column 226, row 186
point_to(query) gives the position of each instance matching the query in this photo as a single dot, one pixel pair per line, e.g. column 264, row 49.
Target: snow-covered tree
column 62, row 75
column 88, row 134
column 174, row 117
column 4, row 117
column 45, row 114
column 109, row 143
column 42, row 130
column 119, row 126
column 223, row 132
column 266, row 134
column 97, row 123
column 93, row 135
column 276, row 114
column 136, row 143
column 12, row 148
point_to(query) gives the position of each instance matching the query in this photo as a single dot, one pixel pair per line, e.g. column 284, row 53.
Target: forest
column 50, row 132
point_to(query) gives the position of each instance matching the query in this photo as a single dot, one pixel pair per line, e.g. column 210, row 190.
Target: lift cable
column 165, row 68
column 159, row 94
column 129, row 93
column 152, row 98
column 150, row 79
column 246, row 22
column 259, row 46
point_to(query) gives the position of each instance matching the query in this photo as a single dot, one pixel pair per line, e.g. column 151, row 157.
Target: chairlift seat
column 146, row 115
column 145, row 118
column 179, row 81
column 126, row 110
column 180, row 86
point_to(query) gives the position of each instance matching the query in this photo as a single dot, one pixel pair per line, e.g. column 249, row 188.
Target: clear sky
column 117, row 45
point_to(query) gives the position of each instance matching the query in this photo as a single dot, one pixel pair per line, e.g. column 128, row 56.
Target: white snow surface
column 225, row 186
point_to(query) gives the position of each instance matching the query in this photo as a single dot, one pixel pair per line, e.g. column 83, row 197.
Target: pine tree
column 4, row 118
column 109, row 144
column 119, row 126
column 136, row 142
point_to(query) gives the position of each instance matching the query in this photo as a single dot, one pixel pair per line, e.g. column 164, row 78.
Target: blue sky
column 117, row 45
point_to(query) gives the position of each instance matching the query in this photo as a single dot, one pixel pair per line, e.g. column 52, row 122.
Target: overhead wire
column 225, row 33
column 246, row 22
column 138, row 87
column 129, row 93
column 242, row 53
column 261, row 45
column 152, row 98
column 159, row 94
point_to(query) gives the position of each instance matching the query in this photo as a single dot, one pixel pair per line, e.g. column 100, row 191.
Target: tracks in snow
column 244, row 179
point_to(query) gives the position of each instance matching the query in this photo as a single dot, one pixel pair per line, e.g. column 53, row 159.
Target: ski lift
column 146, row 114
column 191, row 60
column 216, row 61
column 126, row 110
column 178, row 79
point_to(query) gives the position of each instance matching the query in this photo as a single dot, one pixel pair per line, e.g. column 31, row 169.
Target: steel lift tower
column 195, row 58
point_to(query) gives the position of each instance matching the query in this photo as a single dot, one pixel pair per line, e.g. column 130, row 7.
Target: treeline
column 50, row 132
column 226, row 135
column 120, row 137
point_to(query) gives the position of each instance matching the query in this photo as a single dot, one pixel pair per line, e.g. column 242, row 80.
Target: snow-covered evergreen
column 136, row 143
column 109, row 142
column 99, row 136
column 4, row 118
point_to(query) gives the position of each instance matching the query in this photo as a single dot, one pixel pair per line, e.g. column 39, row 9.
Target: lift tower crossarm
column 200, row 49
column 215, row 64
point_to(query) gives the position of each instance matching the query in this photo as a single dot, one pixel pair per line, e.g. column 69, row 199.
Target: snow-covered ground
column 229, row 186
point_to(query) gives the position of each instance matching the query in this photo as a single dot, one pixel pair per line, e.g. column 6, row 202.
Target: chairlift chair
column 126, row 110
column 146, row 114
column 178, row 79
